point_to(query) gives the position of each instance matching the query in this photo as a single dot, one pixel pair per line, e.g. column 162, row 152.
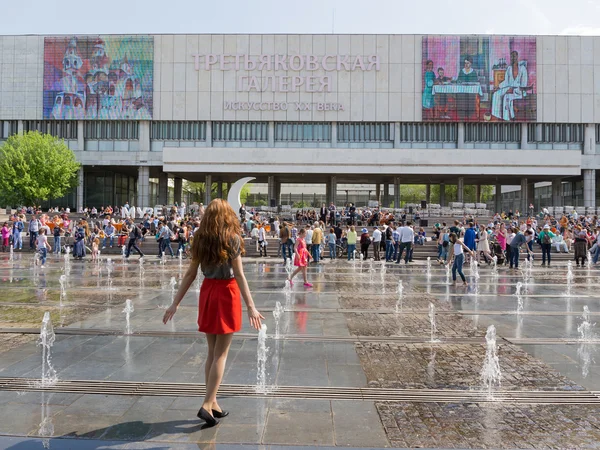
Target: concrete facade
column 567, row 92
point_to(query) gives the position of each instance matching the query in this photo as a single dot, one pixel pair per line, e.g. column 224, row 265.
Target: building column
column 271, row 189
column 271, row 134
column 163, row 188
column 332, row 184
column 524, row 137
column 277, row 192
column 207, row 189
column 80, row 134
column 219, row 189
column 208, row 134
column 589, row 188
column 460, row 190
column 589, row 139
column 378, row 192
column 143, row 187
column 80, row 190
column 442, row 194
column 386, row 195
column 178, row 190
column 396, row 140
column 144, row 136
column 397, row 192
column 333, row 134
column 524, row 197
column 477, row 193
column 428, row 194
column 557, row 197
column 498, row 198
column 460, row 142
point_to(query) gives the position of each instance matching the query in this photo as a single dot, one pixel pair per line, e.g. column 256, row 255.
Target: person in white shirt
column 407, row 236
column 262, row 241
column 308, row 239
column 376, row 242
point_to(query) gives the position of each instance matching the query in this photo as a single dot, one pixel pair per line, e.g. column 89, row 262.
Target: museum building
column 329, row 110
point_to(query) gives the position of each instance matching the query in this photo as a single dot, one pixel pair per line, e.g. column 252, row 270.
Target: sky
column 301, row 16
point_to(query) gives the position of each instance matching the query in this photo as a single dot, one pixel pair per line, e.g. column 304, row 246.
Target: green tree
column 35, row 167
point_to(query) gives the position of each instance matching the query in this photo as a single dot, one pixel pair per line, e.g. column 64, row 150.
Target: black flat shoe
column 205, row 415
column 220, row 414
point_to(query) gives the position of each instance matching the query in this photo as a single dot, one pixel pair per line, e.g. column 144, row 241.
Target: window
column 555, row 132
column 111, row 130
column 8, row 127
column 428, row 132
column 303, row 132
column 64, row 129
column 183, row 131
column 240, row 131
column 363, row 132
column 597, row 133
column 492, row 132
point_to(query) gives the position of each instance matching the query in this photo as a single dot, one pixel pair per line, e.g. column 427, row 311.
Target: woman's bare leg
column 304, row 274
column 222, row 342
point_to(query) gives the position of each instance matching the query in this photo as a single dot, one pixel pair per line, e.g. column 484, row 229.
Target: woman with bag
column 301, row 257
column 217, row 250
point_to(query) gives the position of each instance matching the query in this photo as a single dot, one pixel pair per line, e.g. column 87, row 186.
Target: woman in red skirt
column 301, row 257
column 217, row 249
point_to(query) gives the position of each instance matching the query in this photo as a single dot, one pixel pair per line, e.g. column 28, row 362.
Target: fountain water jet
column 128, row 310
column 277, row 313
column 261, row 375
column 46, row 427
column 429, row 267
column 585, row 329
column 46, row 340
column 518, row 294
column 570, row 277
column 432, row 322
column 474, row 269
column 124, row 253
column 400, row 291
column 63, row 288
column 109, row 269
column 490, row 372
column 11, row 254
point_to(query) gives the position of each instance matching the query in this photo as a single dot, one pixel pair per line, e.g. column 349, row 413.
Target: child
column 5, row 237
column 301, row 257
column 43, row 246
column 95, row 246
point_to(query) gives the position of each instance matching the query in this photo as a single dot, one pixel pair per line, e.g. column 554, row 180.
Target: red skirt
column 219, row 307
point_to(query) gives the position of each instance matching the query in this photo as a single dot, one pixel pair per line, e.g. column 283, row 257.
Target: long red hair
column 216, row 240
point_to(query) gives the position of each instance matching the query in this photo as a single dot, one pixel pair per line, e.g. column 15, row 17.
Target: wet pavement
column 349, row 333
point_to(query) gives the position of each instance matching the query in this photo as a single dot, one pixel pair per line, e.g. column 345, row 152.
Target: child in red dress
column 301, row 257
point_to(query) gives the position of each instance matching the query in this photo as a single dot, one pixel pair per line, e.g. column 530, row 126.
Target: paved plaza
column 355, row 365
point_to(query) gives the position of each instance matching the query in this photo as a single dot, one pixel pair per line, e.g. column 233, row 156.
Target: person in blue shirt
column 470, row 237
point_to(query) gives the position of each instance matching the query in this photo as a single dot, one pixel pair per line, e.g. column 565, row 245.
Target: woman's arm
column 238, row 270
column 187, row 280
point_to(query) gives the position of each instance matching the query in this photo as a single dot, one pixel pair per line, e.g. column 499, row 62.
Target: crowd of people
column 97, row 229
column 325, row 232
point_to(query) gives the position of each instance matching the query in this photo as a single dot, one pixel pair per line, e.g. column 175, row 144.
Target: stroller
column 498, row 252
